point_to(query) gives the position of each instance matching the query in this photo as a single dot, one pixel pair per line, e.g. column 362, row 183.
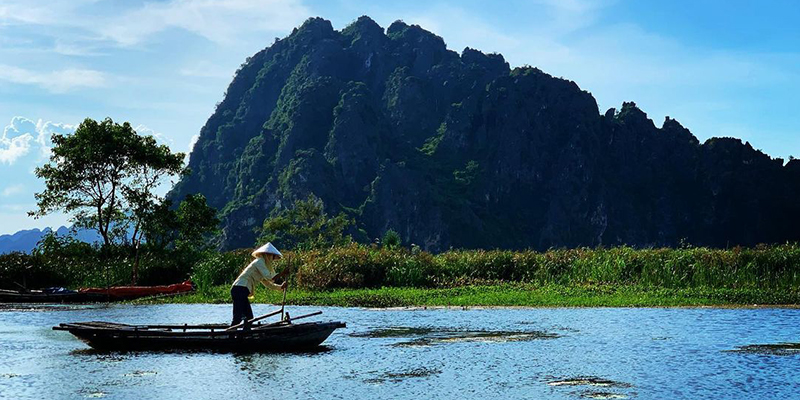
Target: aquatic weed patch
column 421, row 372
column 394, row 332
column 427, row 336
column 395, row 376
column 138, row 374
column 777, row 349
column 593, row 382
column 588, row 381
column 603, row 395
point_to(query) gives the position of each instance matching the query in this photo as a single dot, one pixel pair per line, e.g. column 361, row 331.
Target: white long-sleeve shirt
column 257, row 271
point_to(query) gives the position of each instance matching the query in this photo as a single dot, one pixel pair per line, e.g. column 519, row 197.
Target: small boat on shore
column 42, row 296
column 94, row 295
column 135, row 292
column 282, row 336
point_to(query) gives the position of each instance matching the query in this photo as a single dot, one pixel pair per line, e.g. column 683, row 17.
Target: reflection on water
column 444, row 354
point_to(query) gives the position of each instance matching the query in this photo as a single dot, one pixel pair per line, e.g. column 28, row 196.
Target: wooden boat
column 94, row 295
column 135, row 292
column 283, row 336
column 39, row 296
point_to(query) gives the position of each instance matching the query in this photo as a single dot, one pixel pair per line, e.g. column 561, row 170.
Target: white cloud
column 12, row 190
column 192, row 141
column 22, row 135
column 221, row 21
column 160, row 137
column 16, row 140
column 54, row 81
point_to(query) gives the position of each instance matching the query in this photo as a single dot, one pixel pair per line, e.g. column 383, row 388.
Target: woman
column 259, row 270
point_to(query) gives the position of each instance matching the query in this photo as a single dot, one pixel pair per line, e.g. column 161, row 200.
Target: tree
column 305, row 226
column 105, row 175
column 195, row 220
column 185, row 227
column 391, row 239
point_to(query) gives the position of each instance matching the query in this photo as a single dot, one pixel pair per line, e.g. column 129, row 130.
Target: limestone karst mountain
column 459, row 150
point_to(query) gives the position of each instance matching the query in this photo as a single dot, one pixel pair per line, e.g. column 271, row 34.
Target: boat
column 282, row 336
column 42, row 296
column 135, row 292
column 93, row 295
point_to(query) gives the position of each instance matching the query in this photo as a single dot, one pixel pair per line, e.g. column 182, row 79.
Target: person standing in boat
column 259, row 270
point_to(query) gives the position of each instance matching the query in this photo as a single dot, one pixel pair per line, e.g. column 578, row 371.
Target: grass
column 506, row 295
column 373, row 276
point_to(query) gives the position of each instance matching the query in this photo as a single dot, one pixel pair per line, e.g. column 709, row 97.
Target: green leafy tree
column 105, row 175
column 195, row 219
column 185, row 227
column 306, row 226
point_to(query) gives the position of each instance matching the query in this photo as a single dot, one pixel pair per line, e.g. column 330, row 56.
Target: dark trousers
column 241, row 306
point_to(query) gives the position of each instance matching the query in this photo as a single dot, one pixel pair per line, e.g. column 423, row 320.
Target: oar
column 250, row 321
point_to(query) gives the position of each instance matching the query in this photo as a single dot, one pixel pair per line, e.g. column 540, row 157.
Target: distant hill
column 26, row 240
column 460, row 150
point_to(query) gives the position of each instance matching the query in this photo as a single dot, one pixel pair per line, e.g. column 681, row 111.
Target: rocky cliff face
column 457, row 150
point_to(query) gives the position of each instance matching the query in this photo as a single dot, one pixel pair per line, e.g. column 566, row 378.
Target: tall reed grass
column 360, row 266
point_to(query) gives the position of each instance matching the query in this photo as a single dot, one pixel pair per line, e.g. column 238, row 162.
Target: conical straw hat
column 267, row 249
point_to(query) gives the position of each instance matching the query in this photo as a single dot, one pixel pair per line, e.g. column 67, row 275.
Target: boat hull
column 7, row 296
column 283, row 338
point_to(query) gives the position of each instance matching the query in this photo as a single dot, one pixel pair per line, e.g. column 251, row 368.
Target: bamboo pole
column 289, row 321
column 250, row 321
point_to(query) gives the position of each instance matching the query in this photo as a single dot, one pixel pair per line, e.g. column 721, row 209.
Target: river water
column 648, row 353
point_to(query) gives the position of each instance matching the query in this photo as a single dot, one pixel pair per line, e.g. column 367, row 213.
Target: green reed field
column 359, row 275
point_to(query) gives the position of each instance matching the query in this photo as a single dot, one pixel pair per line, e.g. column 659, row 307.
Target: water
column 412, row 354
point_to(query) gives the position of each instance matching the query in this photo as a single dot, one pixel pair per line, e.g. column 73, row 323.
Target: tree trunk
column 135, row 274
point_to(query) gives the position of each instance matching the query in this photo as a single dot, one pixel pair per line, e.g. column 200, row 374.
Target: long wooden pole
column 250, row 321
column 292, row 319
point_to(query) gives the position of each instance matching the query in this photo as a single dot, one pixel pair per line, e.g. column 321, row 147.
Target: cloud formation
column 59, row 81
column 23, row 137
column 12, row 190
column 220, row 21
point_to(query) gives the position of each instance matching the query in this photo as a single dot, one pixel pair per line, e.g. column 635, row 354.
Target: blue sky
column 721, row 68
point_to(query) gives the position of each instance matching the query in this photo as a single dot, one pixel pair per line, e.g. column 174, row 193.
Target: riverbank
column 506, row 295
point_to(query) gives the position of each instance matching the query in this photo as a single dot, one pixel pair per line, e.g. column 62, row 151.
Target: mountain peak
column 364, row 24
column 315, row 26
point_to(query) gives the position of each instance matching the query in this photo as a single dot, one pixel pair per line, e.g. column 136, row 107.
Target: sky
column 720, row 67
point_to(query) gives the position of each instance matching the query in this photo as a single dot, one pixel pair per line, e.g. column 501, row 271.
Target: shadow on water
column 427, row 336
column 776, row 349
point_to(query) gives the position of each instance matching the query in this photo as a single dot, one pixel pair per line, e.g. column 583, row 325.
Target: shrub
column 219, row 268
